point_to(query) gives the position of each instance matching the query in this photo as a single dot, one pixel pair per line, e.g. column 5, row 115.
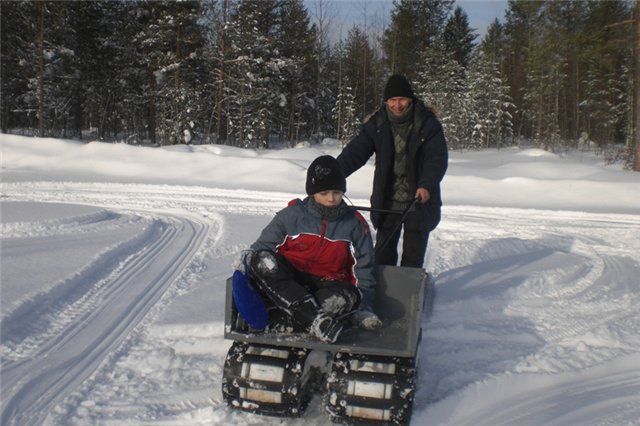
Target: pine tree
column 295, row 46
column 567, row 76
column 415, row 25
column 492, row 106
column 459, row 37
column 607, row 64
column 493, row 45
column 522, row 23
column 442, row 84
column 333, row 78
column 253, row 73
column 344, row 115
column 218, row 15
column 46, row 59
column 172, row 47
column 565, row 22
column 543, row 89
column 358, row 51
column 91, row 22
column 325, row 72
column 17, row 64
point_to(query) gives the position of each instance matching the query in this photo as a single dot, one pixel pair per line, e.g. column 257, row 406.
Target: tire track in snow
column 528, row 292
column 599, row 395
column 31, row 387
column 591, row 294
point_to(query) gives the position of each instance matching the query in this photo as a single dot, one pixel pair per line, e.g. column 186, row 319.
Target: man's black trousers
column 415, row 239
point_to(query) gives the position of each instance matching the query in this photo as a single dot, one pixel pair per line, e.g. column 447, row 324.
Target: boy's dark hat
column 325, row 174
column 398, row 85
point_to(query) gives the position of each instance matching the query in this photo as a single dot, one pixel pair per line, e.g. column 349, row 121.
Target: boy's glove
column 366, row 319
column 242, row 262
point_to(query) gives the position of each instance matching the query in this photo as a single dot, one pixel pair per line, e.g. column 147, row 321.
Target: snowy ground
column 114, row 260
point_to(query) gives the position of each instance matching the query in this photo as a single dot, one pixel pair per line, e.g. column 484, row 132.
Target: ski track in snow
column 42, row 316
column 526, row 301
column 91, row 314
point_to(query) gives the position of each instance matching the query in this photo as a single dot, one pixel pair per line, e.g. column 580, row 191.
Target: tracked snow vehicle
column 367, row 376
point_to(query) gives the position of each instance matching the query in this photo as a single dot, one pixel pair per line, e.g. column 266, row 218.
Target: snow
column 114, row 260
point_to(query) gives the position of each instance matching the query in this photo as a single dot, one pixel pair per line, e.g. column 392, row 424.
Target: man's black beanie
column 398, row 85
column 325, row 174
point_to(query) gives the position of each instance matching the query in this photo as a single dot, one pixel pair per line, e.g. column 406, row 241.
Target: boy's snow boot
column 336, row 298
column 337, row 301
column 325, row 328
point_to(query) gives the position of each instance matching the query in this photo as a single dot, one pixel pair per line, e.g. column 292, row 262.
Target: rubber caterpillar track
column 370, row 389
column 269, row 380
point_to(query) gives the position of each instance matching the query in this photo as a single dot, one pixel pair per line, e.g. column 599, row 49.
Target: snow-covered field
column 114, row 260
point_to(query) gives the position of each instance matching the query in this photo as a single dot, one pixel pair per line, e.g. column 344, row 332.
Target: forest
column 249, row 73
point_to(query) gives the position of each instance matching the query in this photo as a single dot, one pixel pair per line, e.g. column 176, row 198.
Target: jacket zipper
column 323, row 230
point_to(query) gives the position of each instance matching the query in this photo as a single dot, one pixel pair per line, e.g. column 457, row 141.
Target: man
column 411, row 159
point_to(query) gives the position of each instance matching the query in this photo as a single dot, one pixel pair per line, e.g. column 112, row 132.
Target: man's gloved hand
column 242, row 262
column 366, row 319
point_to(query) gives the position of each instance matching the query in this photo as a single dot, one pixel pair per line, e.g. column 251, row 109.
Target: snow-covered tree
column 358, row 60
column 252, row 91
column 18, row 63
column 325, row 73
column 295, row 45
column 41, row 68
column 492, row 106
column 606, row 75
column 171, row 44
column 442, row 84
column 344, row 115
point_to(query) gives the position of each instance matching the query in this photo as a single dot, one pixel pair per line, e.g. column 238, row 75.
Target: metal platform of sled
column 399, row 302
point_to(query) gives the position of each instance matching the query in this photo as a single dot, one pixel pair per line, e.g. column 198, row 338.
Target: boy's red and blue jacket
column 339, row 249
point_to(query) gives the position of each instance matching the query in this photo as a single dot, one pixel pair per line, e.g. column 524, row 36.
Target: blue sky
column 482, row 12
column 349, row 12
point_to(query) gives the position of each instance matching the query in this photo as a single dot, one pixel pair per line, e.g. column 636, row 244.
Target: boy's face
column 329, row 198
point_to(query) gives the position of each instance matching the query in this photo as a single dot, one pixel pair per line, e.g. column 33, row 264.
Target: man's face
column 398, row 105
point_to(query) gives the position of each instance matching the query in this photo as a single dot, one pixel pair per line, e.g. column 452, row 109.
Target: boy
column 315, row 260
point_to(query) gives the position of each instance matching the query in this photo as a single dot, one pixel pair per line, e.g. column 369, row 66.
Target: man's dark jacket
column 427, row 159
